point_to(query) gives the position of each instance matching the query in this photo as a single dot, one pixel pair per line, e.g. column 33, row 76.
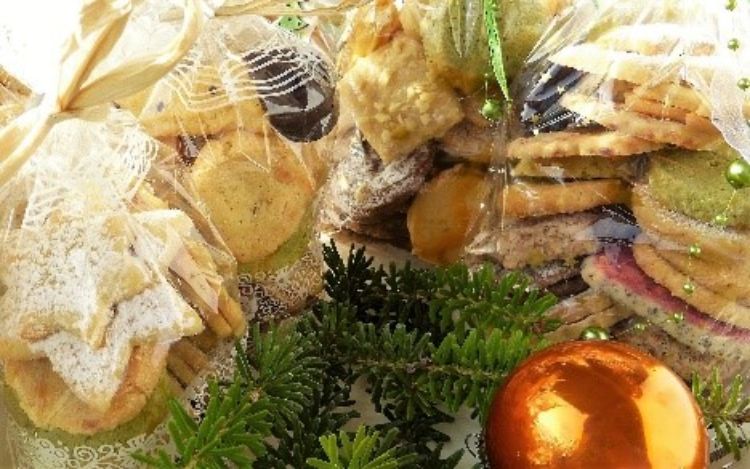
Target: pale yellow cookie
column 633, row 67
column 675, row 95
column 396, row 102
column 691, row 135
column 442, row 215
column 718, row 244
column 180, row 369
column 198, row 104
column 654, row 109
column 532, row 199
column 604, row 319
column 708, row 302
column 568, row 143
column 658, row 39
column 728, row 280
column 51, row 405
column 256, row 191
column 67, row 276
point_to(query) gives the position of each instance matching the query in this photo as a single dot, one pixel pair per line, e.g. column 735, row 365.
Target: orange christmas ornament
column 595, row 404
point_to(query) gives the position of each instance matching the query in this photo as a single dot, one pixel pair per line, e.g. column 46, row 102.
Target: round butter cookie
column 51, row 405
column 532, row 199
column 708, row 302
column 675, row 230
column 567, row 144
column 728, row 280
column 693, row 134
column 256, row 190
column 441, row 216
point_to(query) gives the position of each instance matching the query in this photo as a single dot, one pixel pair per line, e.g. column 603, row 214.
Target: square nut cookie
column 397, row 104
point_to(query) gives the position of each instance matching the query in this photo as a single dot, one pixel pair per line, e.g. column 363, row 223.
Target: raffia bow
column 79, row 88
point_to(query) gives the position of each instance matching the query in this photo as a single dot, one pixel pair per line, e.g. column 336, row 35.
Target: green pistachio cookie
column 695, row 184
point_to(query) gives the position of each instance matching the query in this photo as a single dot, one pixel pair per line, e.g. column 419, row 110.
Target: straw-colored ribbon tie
column 102, row 23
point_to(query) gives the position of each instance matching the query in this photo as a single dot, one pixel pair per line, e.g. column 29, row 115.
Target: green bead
column 688, row 288
column 492, row 110
column 744, row 84
column 640, row 326
column 731, row 5
column 721, row 219
column 678, row 317
column 694, row 250
column 595, row 333
column 738, row 174
column 734, row 44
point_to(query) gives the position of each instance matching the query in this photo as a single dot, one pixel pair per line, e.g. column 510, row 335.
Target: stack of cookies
column 617, row 121
column 109, row 291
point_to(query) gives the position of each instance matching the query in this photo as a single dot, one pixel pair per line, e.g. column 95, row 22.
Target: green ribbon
column 496, row 45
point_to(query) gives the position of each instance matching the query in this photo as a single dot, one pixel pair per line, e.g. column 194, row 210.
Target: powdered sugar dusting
column 94, row 374
column 67, row 276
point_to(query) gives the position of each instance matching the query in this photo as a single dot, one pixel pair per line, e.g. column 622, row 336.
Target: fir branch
column 463, row 300
column 425, row 341
column 366, row 450
column 271, row 386
column 724, row 409
column 232, row 431
column 435, row 300
column 327, row 412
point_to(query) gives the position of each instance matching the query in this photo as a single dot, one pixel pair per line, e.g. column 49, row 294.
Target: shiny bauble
column 599, row 404
column 492, row 110
column 738, row 174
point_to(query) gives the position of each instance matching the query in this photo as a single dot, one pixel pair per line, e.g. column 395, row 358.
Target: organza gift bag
column 120, row 286
column 623, row 185
column 249, row 111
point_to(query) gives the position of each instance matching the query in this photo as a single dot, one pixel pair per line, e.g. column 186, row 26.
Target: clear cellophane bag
column 622, row 183
column 120, row 282
column 250, row 112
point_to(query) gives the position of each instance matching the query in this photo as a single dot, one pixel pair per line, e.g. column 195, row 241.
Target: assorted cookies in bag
column 248, row 111
column 415, row 143
column 117, row 291
column 112, row 286
column 624, row 188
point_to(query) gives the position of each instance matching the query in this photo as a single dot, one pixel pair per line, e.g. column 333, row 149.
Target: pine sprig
column 426, row 342
column 725, row 409
column 271, row 385
column 365, row 450
column 232, row 431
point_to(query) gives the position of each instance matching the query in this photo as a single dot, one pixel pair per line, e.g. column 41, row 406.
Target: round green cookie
column 694, row 184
